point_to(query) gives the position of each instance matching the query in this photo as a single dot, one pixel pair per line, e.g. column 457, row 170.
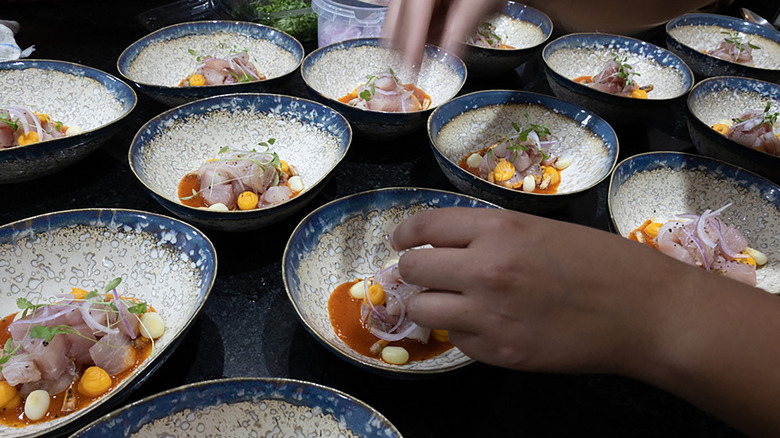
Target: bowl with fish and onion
column 701, row 211
column 189, row 61
column 345, row 241
column 55, row 113
column 735, row 119
column 239, row 162
column 98, row 299
column 718, row 45
column 526, row 151
column 506, row 40
column 381, row 96
column 620, row 78
column 245, row 407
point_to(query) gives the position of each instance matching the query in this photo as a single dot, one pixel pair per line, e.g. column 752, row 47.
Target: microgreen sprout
column 625, row 70
column 8, row 351
column 736, row 39
column 48, row 333
column 6, row 118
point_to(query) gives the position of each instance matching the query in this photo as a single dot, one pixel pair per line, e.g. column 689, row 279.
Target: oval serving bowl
column 726, row 98
column 690, row 35
column 309, row 136
column 245, row 407
column 76, row 95
column 344, row 240
column 475, row 121
column 664, row 184
column 162, row 261
column 334, row 71
column 159, row 61
column 578, row 54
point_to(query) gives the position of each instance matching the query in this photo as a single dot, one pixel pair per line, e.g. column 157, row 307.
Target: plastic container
column 339, row 20
column 300, row 22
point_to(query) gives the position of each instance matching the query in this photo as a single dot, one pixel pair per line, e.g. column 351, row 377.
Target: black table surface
column 248, row 327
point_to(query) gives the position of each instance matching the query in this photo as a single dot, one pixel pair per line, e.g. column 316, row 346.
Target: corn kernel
column 358, row 290
column 43, row 117
column 376, row 294
column 295, row 184
column 247, row 200
column 721, row 128
column 652, row 229
column 503, row 170
column 7, row 393
column 395, row 355
column 15, row 402
column 639, row 94
column 549, row 171
column 562, row 163
column 757, row 255
column 94, row 382
column 197, row 80
column 440, row 335
column 285, row 166
column 474, row 160
column 36, row 404
column 529, row 183
column 218, row 207
column 152, row 325
column 29, row 138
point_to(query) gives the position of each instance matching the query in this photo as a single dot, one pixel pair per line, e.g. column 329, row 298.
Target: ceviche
column 241, row 180
column 734, row 48
column 58, row 358
column 385, row 92
column 20, row 126
column 521, row 160
column 619, row 78
column 704, row 241
column 487, row 36
column 369, row 315
column 755, row 129
column 233, row 68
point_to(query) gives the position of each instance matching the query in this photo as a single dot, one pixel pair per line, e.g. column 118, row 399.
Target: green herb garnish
column 48, row 333
column 6, row 118
column 736, row 39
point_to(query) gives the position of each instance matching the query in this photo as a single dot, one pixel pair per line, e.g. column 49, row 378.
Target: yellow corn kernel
column 440, row 335
column 285, row 166
column 247, row 200
column 721, row 128
column 376, row 294
column 503, row 170
column 197, row 80
column 94, row 382
column 15, row 402
column 639, row 94
column 652, row 229
column 7, row 394
column 552, row 173
column 78, row 293
column 29, row 138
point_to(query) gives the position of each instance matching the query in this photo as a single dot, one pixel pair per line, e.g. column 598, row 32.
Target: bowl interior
column 663, row 185
column 725, row 98
column 163, row 262
column 521, row 26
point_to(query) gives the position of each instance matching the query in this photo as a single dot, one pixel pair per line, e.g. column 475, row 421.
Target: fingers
column 446, row 269
column 462, row 20
column 446, row 227
column 445, row 310
column 406, row 25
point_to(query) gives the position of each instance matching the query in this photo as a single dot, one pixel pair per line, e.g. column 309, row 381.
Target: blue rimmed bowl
column 585, row 54
column 664, row 184
column 475, row 121
column 344, row 240
column 520, row 26
column 245, row 407
column 162, row 261
column 334, row 71
column 721, row 99
column 311, row 137
column 158, row 62
column 691, row 35
column 79, row 96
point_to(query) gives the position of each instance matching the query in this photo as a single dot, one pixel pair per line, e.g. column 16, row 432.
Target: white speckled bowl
column 159, row 61
column 162, row 261
column 344, row 240
column 334, row 71
column 475, row 121
column 76, row 95
column 311, row 137
column 663, row 184
column 244, row 407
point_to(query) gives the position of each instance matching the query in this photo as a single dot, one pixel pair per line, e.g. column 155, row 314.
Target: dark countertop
column 248, row 326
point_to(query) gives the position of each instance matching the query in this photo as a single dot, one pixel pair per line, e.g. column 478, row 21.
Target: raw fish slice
column 113, row 353
column 51, row 357
column 20, row 368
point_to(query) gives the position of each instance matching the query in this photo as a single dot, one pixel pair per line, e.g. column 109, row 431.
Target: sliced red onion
column 701, row 248
column 702, row 235
column 48, row 316
column 122, row 314
column 402, row 305
column 390, row 337
column 92, row 322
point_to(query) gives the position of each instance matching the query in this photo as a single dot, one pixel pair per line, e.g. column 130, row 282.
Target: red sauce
column 647, row 239
column 187, row 186
column 551, row 189
column 422, row 96
column 344, row 313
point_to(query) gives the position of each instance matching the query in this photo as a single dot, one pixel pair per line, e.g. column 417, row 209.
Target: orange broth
column 421, row 95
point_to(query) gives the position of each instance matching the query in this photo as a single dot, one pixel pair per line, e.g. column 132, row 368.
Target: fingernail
column 389, row 238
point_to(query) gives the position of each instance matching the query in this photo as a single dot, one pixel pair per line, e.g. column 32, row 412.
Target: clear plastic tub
column 339, row 20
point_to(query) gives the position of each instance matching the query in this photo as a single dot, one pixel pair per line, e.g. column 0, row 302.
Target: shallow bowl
column 690, row 35
column 580, row 54
column 245, row 407
column 476, row 121
column 719, row 98
column 344, row 240
column 311, row 137
column 334, row 71
column 159, row 61
column 664, row 184
column 162, row 261
column 74, row 94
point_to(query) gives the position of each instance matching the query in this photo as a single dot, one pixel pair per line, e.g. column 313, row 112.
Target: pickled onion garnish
column 122, row 314
column 92, row 322
column 698, row 244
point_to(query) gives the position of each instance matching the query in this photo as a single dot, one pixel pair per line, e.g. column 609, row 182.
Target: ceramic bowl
column 725, row 98
column 76, row 95
column 245, row 407
column 311, row 137
column 520, row 26
column 158, row 62
column 664, row 184
column 585, row 54
column 162, row 261
column 344, row 240
column 476, row 121
column 691, row 35
column 334, row 71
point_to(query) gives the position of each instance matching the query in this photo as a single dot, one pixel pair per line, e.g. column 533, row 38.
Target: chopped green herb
column 113, row 284
column 138, row 309
column 48, row 333
column 26, row 306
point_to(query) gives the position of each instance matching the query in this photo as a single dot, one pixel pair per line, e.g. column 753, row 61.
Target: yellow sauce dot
column 247, row 200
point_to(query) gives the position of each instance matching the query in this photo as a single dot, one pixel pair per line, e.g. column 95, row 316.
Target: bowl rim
column 375, row 42
column 684, row 71
column 394, row 370
column 35, row 63
column 477, row 180
column 150, row 366
column 512, row 3
column 230, row 380
column 143, row 43
column 220, row 214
